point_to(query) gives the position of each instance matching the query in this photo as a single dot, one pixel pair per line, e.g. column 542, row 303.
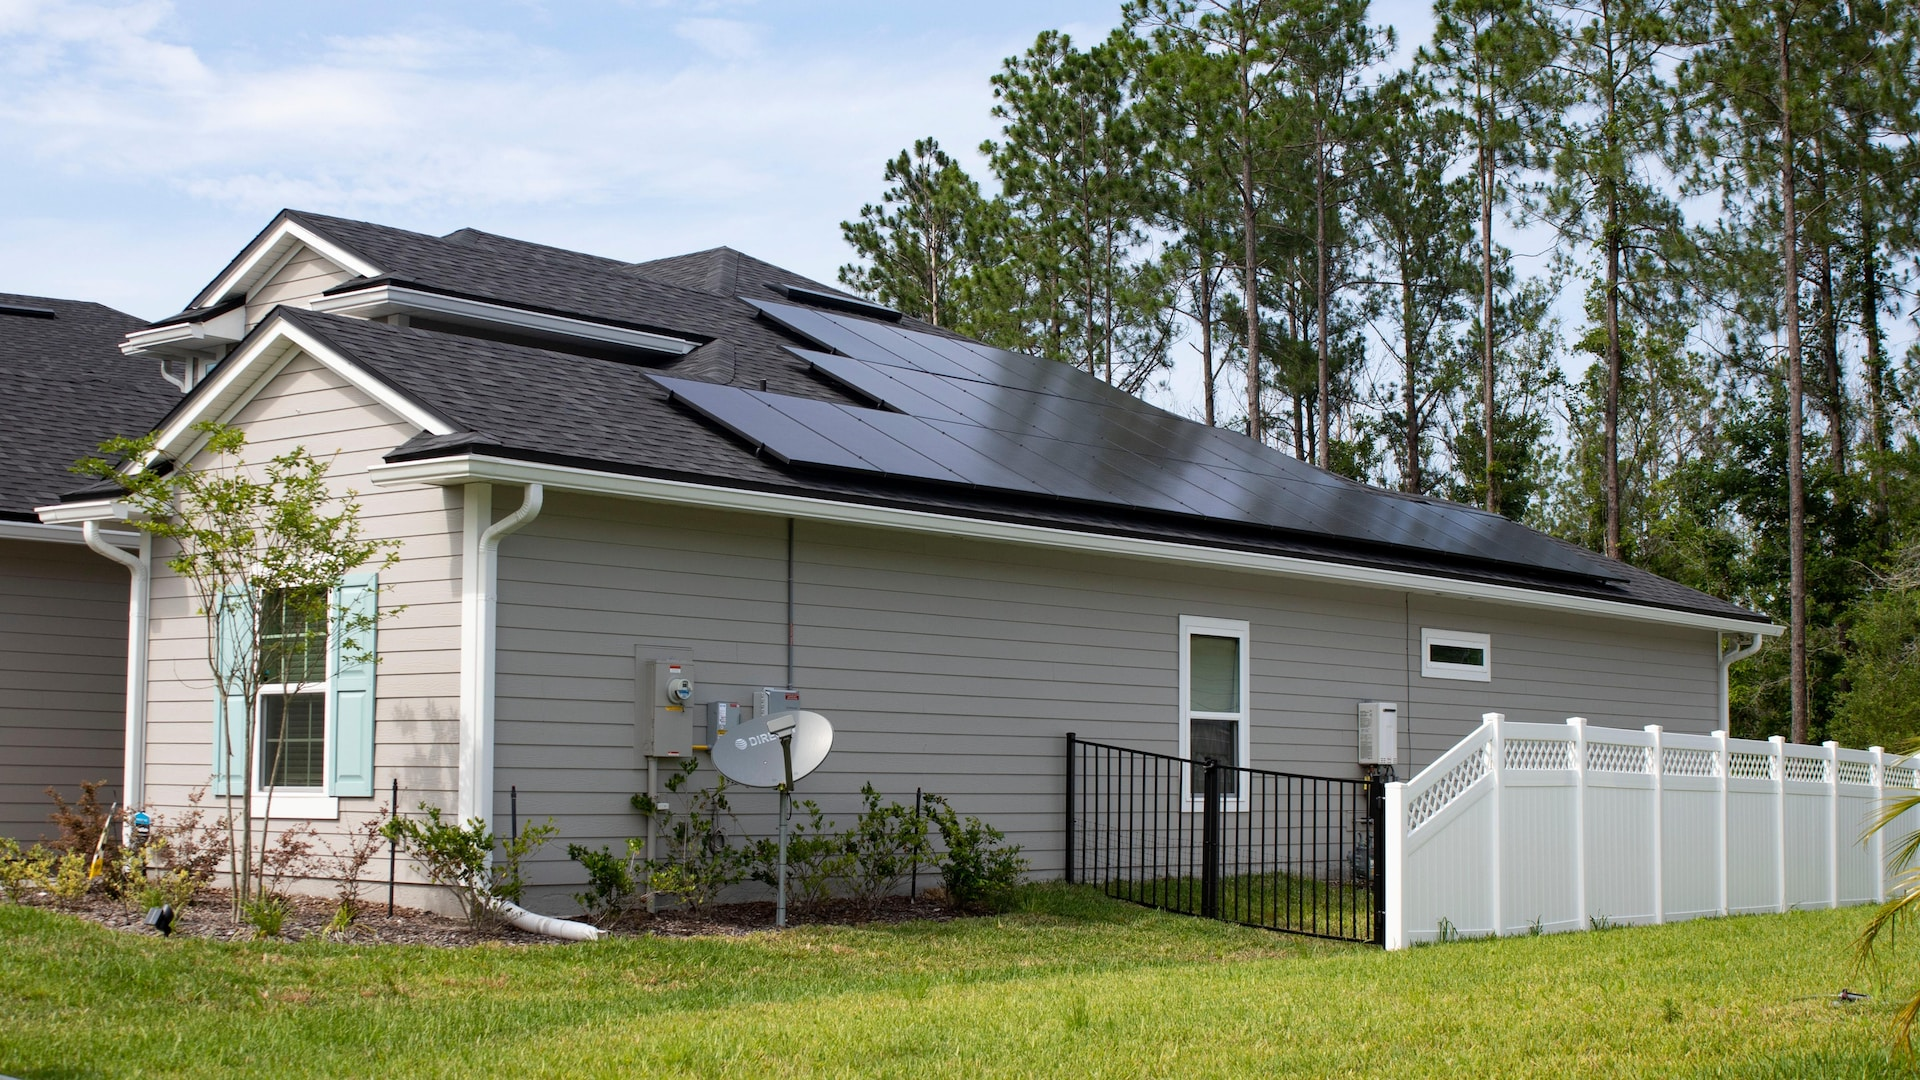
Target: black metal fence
column 1269, row 849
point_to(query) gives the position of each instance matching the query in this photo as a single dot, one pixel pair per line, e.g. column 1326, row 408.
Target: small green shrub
column 22, row 872
column 816, row 857
column 171, row 887
column 267, row 914
column 697, row 859
column 457, row 857
column 611, row 879
column 980, row 870
column 66, row 876
column 886, row 842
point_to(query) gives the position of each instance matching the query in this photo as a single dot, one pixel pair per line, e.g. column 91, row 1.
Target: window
column 313, row 723
column 1214, row 685
column 292, row 726
column 1456, row 654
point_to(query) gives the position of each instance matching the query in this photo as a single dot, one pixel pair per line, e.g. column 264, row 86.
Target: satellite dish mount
column 746, row 755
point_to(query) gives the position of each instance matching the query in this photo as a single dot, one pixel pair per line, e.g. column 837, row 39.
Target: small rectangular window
column 1456, row 654
column 293, row 740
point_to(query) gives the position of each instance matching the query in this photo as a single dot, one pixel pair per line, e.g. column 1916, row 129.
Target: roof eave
column 463, row 468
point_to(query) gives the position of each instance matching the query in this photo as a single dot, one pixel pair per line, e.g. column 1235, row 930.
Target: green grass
column 1073, row 985
column 1273, row 900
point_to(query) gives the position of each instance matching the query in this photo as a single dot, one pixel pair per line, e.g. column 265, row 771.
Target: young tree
column 1492, row 60
column 264, row 550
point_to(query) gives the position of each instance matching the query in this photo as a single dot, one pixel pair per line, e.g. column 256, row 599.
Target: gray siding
column 959, row 666
column 63, row 667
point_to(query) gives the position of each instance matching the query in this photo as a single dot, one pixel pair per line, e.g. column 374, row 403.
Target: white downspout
column 1727, row 660
column 479, row 573
column 134, row 765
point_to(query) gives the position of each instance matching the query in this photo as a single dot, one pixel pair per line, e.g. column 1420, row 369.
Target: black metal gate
column 1268, row 849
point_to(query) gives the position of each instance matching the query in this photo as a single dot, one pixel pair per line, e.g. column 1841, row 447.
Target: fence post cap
column 1652, row 729
column 1831, row 744
column 1779, row 741
column 1576, row 721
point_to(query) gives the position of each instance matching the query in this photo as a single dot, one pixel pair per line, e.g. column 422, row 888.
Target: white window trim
column 290, row 803
column 1433, row 669
column 1190, row 626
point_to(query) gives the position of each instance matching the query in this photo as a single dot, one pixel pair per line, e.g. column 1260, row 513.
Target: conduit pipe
column 480, row 551
column 134, row 764
column 1727, row 660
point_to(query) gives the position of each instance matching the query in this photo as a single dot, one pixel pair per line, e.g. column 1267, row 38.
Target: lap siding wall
column 959, row 666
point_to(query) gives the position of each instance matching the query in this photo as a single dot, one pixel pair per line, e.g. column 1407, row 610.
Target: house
column 63, row 607
column 956, row 554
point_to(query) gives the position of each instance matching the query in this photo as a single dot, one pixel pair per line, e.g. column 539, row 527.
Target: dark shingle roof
column 608, row 414
column 67, row 388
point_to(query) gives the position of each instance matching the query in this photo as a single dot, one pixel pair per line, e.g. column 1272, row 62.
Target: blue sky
column 145, row 142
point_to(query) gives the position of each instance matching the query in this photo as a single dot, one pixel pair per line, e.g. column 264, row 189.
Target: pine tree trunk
column 1486, row 311
column 1877, row 440
column 1206, row 329
column 1250, row 276
column 1612, row 303
column 1410, row 476
column 1323, row 422
column 1796, row 479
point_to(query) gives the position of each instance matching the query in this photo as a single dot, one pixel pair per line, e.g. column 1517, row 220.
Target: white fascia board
column 45, row 533
column 222, row 329
column 236, row 380
column 377, row 300
column 270, row 250
column 74, row 513
column 469, row 468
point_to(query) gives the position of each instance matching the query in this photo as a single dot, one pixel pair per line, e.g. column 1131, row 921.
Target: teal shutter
column 234, row 639
column 350, row 686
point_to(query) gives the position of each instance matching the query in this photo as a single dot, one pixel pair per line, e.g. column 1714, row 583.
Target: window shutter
column 350, row 686
column 233, row 640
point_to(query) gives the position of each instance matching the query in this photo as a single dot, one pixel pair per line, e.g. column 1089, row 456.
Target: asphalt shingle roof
column 68, row 388
column 530, row 403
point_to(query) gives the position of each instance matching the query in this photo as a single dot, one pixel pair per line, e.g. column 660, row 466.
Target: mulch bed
column 207, row 918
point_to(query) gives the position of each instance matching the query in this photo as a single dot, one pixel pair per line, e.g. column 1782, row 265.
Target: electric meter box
column 1379, row 732
column 771, row 701
column 664, row 726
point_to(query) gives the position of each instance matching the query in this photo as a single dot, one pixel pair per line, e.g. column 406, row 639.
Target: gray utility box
column 664, row 726
column 771, row 701
column 722, row 715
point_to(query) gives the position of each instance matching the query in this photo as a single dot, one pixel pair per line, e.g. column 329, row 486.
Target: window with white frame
column 1214, row 692
column 1456, row 654
column 292, row 723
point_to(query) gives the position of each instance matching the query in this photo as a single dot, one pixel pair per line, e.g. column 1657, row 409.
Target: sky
column 143, row 144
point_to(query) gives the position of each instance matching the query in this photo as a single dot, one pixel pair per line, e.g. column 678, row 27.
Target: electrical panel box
column 1379, row 732
column 664, row 726
column 774, row 700
column 722, row 715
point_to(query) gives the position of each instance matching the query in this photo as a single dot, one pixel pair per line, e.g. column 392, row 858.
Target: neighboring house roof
column 760, row 355
column 67, row 388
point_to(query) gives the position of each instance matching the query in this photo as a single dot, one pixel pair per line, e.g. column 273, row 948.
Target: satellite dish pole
column 783, row 726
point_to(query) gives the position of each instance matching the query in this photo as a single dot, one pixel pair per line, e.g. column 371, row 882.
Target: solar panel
column 968, row 414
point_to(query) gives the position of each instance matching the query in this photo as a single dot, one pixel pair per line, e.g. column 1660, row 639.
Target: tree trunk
column 1877, row 441
column 1796, row 480
column 1323, row 420
column 1250, row 277
column 1206, row 329
column 1833, row 396
column 1410, row 475
column 1612, row 303
column 1486, row 308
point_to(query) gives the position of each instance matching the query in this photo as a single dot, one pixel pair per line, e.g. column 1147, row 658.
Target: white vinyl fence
column 1566, row 827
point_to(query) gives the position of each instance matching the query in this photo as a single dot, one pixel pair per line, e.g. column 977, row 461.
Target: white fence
column 1565, row 827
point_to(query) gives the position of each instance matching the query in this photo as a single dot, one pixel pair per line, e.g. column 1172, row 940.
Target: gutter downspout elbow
column 133, row 782
column 1727, row 660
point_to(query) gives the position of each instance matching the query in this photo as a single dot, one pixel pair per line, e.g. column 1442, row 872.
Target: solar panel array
column 960, row 413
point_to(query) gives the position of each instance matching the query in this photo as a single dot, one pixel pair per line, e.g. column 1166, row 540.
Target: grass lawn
column 1073, row 985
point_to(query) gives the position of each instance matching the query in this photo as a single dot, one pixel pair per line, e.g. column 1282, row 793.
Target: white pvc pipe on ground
column 548, row 925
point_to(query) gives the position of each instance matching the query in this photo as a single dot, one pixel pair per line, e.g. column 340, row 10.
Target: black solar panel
column 958, row 412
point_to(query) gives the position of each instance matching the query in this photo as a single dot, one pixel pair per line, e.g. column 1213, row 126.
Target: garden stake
column 913, row 890
column 393, row 846
column 100, row 845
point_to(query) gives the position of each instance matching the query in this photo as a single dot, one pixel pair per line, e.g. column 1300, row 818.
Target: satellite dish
column 750, row 753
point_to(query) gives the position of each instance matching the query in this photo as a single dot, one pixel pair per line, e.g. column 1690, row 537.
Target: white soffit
column 222, row 329
column 270, row 251
column 474, row 468
column 236, row 380
column 377, row 300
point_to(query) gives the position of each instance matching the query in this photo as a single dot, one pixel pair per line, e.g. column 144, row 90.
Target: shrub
column 66, row 876
column 194, row 845
column 363, row 843
column 80, row 823
column 456, row 856
column 172, row 887
column 21, row 872
column 697, row 859
column 610, row 879
column 883, row 847
column 267, row 914
column 816, row 856
column 980, row 870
